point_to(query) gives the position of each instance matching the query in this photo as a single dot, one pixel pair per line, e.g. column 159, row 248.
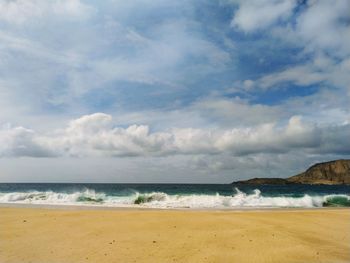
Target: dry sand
column 58, row 235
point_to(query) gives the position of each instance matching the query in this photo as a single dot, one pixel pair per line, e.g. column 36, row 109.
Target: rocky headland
column 330, row 173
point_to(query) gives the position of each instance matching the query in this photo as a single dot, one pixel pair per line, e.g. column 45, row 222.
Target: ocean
column 222, row 196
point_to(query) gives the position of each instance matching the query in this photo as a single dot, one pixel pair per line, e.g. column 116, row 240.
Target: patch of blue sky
column 100, row 100
column 257, row 58
column 284, row 92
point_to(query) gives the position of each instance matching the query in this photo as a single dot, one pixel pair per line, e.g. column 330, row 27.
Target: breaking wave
column 238, row 199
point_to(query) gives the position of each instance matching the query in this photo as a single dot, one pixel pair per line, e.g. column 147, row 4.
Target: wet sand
column 40, row 235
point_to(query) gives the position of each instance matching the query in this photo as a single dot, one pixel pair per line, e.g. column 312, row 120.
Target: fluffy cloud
column 320, row 70
column 330, row 31
column 95, row 135
column 18, row 141
column 307, row 28
column 259, row 14
column 323, row 40
column 188, row 83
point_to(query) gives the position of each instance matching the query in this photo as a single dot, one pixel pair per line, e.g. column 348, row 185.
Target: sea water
column 177, row 195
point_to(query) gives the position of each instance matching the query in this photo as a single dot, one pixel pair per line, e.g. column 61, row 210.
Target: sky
column 187, row 91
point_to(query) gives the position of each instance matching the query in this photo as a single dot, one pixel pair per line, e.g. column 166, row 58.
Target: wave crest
column 164, row 200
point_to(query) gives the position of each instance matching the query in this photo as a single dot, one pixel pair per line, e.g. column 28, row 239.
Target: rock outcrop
column 277, row 181
column 334, row 172
column 331, row 173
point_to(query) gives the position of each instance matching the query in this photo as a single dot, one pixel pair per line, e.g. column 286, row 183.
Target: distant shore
column 72, row 235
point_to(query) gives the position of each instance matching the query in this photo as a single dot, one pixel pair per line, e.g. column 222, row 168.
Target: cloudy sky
column 172, row 91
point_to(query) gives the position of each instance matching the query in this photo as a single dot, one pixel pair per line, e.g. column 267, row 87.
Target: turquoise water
column 177, row 195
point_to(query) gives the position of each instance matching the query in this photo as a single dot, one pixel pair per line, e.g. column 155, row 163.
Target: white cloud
column 324, row 26
column 321, row 69
column 18, row 141
column 20, row 11
column 73, row 8
column 172, row 45
column 95, row 135
column 56, row 64
column 109, row 52
column 248, row 84
column 320, row 25
column 301, row 75
column 37, row 50
column 235, row 111
column 260, row 14
column 321, row 30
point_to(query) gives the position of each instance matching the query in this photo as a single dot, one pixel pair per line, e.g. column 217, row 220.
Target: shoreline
column 145, row 208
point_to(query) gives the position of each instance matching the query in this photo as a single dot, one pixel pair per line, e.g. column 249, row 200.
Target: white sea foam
column 163, row 200
column 240, row 199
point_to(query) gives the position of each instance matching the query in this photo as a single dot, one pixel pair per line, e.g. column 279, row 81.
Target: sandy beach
column 41, row 235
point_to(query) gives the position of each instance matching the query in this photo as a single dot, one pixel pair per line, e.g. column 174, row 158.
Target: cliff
column 331, row 173
column 334, row 172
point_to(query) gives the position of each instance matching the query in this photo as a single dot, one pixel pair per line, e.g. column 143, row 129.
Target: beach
column 29, row 234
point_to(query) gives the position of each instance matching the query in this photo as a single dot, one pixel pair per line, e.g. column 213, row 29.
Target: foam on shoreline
column 238, row 199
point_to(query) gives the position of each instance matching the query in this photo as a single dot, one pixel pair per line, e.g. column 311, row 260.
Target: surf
column 156, row 199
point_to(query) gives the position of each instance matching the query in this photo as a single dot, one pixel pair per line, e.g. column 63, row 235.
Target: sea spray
column 146, row 198
column 177, row 196
column 50, row 197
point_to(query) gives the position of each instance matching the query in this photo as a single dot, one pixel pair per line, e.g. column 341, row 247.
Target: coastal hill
column 331, row 173
column 278, row 181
